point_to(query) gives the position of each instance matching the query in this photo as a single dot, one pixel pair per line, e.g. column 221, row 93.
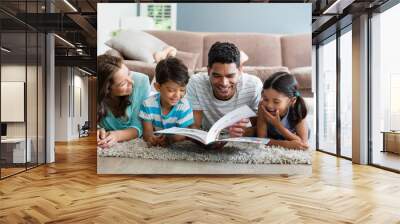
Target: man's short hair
column 172, row 69
column 225, row 53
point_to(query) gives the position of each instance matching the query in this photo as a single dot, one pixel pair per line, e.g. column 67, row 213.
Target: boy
column 167, row 108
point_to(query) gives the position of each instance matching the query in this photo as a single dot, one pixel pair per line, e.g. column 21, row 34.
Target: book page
column 196, row 134
column 246, row 139
column 228, row 120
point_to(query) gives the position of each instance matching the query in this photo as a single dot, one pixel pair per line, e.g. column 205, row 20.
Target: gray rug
column 244, row 153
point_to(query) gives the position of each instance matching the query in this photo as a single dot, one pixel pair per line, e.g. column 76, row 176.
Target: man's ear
column 240, row 68
column 157, row 86
column 209, row 70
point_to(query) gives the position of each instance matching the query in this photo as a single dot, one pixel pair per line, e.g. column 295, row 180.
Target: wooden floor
column 70, row 191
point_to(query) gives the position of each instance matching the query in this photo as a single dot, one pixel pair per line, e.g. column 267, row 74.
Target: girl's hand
column 275, row 120
column 296, row 144
column 110, row 139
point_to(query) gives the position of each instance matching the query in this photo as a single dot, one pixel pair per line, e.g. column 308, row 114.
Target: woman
column 120, row 94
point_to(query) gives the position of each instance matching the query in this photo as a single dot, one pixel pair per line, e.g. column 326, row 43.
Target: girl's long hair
column 286, row 83
column 107, row 66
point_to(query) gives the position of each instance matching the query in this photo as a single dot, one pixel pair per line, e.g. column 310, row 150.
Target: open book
column 212, row 135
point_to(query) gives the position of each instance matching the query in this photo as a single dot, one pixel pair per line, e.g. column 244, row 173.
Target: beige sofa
column 267, row 53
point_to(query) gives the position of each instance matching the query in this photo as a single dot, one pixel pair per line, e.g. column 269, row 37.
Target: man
column 223, row 89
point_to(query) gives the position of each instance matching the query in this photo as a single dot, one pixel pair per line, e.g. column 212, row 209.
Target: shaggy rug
column 243, row 153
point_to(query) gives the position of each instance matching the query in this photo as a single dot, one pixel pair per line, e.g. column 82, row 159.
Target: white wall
column 108, row 19
column 68, row 82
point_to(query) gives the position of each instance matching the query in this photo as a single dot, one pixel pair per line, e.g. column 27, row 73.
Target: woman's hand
column 101, row 134
column 109, row 140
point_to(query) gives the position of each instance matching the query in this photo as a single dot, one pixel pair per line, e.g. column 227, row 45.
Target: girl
column 120, row 94
column 282, row 112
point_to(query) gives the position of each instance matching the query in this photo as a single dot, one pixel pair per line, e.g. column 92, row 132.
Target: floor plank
column 70, row 191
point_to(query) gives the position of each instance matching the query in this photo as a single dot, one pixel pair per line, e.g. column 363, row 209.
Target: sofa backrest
column 296, row 50
column 291, row 51
column 262, row 49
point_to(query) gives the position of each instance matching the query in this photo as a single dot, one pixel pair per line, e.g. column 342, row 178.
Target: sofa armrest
column 142, row 67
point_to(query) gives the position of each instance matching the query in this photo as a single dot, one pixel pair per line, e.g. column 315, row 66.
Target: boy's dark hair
column 172, row 69
column 224, row 53
column 286, row 83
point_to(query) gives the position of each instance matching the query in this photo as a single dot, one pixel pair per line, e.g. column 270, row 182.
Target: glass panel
column 13, row 85
column 346, row 94
column 327, row 96
column 31, row 97
column 41, row 98
column 386, row 89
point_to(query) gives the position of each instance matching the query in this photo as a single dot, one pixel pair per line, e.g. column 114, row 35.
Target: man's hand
column 109, row 140
column 238, row 129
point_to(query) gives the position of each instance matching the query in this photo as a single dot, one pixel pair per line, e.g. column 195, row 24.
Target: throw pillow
column 136, row 45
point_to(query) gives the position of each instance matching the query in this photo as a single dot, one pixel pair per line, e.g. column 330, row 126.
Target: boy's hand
column 152, row 141
column 161, row 140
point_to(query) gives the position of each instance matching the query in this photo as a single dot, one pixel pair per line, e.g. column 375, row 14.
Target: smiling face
column 224, row 79
column 273, row 101
column 170, row 93
column 122, row 82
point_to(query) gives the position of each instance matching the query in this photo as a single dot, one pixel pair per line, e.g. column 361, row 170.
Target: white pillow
column 136, row 45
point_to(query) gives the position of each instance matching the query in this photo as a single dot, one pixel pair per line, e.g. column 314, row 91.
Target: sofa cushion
column 296, row 50
column 303, row 76
column 136, row 45
column 262, row 49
